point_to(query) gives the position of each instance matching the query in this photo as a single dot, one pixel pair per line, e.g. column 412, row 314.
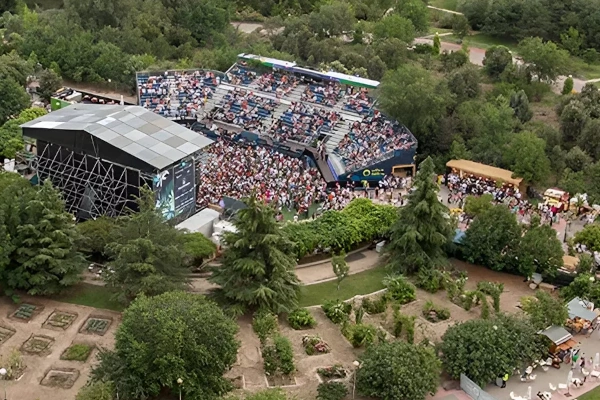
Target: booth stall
column 562, row 343
column 466, row 167
column 581, row 316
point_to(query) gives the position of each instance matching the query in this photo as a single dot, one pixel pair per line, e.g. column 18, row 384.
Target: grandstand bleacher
column 278, row 102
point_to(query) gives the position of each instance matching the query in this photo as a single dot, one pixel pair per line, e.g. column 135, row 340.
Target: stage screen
column 185, row 188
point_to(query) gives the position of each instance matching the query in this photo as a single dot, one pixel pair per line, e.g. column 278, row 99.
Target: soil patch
column 63, row 378
column 96, row 325
column 78, row 352
column 5, row 333
column 59, row 320
column 280, row 381
column 38, row 345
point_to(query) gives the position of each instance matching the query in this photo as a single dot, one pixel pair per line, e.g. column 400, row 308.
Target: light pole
column 3, row 374
column 356, row 368
column 179, row 382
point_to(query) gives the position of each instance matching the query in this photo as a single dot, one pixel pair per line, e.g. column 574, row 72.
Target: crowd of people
column 274, row 82
column 373, row 138
column 177, row 94
column 244, row 108
column 324, row 94
column 358, row 100
column 234, row 170
column 302, row 122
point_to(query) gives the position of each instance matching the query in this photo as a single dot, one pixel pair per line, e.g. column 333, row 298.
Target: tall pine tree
column 44, row 260
column 258, row 269
column 146, row 254
column 423, row 228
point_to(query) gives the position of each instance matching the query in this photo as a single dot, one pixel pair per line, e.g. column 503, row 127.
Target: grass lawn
column 445, row 4
column 362, row 283
column 593, row 394
column 433, row 29
column 89, row 295
column 583, row 70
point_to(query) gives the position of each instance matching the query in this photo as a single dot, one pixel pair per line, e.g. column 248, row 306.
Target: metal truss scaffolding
column 91, row 187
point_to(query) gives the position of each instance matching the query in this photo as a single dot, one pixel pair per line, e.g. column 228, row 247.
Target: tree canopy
column 171, row 336
column 258, row 268
column 544, row 310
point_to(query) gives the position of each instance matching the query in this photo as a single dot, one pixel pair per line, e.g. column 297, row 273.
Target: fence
column 473, row 390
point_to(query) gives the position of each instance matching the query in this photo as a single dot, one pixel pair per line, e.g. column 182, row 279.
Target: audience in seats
column 373, row 138
column 278, row 83
column 358, row 100
column 177, row 94
column 303, row 123
column 326, row 94
column 244, row 108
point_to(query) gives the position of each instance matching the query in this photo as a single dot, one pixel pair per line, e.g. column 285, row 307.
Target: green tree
column 49, row 82
column 568, row 86
column 584, row 286
column 416, row 11
column 589, row 236
column 573, row 118
column 96, row 391
column 492, row 238
column 572, row 41
column 477, row 205
column 577, row 159
column 258, row 269
column 43, row 259
column 161, row 339
column 340, row 268
column 145, row 254
column 475, row 11
column 11, row 134
column 197, row 248
column 572, row 182
column 526, row 157
column 332, row 19
column 412, row 95
column 14, row 99
column 589, row 141
column 497, row 58
column 459, row 151
column 437, row 44
column 484, row 349
column 398, row 370
column 464, row 83
column 544, row 310
column 544, row 59
column 423, row 228
column 394, row 26
column 460, row 26
column 539, row 250
column 520, row 103
column 95, row 235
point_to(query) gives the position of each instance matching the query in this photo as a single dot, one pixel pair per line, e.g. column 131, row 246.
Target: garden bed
column 96, row 325
column 38, row 345
column 78, row 352
column 25, row 312
column 59, row 320
column 280, row 381
column 63, row 378
column 5, row 333
column 333, row 373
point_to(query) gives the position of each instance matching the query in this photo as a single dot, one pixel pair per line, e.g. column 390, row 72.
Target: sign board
column 185, row 187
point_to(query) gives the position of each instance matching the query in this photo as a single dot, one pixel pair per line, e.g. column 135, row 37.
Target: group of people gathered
column 302, row 122
column 371, row 139
column 244, row 108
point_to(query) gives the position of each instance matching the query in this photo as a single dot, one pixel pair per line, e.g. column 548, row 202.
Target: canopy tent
column 486, row 171
column 578, row 308
column 557, row 334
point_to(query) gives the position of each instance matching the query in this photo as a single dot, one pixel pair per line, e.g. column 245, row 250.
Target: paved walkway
column 445, row 10
column 324, row 272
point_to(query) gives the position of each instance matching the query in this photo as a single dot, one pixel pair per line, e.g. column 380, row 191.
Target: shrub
column 301, row 319
column 359, row 313
column 400, row 289
column 313, row 344
column 285, row 353
column 331, row 391
column 492, row 289
column 430, row 280
column 360, row 335
column 97, row 391
column 77, row 352
column 270, row 360
column 337, row 311
column 336, row 371
column 406, row 324
column 375, row 307
column 433, row 313
column 13, row 364
column 264, row 324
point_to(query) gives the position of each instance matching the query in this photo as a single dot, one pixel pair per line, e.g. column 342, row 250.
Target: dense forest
column 502, row 114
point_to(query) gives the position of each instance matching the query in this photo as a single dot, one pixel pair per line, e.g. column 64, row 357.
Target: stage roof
column 144, row 135
column 471, row 167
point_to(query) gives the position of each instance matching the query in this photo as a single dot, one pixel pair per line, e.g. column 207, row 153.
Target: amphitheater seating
column 323, row 94
column 244, row 108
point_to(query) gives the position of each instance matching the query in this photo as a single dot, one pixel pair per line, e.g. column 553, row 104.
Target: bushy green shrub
column 400, row 289
column 97, row 391
column 337, row 311
column 375, row 307
column 492, row 289
column 285, row 354
column 269, row 394
column 360, row 335
column 331, row 391
column 264, row 324
column 301, row 319
column 361, row 221
column 404, row 324
column 77, row 352
column 430, row 280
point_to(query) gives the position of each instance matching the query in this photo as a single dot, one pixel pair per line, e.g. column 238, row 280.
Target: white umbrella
column 529, row 392
column 597, row 360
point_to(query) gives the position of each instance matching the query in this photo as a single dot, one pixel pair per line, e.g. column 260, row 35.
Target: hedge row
column 359, row 222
